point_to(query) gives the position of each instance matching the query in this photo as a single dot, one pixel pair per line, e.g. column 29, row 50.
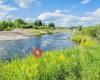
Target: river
column 21, row 47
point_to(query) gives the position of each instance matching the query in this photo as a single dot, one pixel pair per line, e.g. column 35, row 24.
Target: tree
column 38, row 23
column 80, row 28
column 28, row 25
column 4, row 25
column 19, row 23
column 0, row 26
column 51, row 25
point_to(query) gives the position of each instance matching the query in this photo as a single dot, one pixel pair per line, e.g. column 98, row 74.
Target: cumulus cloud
column 57, row 17
column 63, row 19
column 92, row 17
column 85, row 1
column 28, row 19
column 1, row 1
column 48, row 15
column 27, row 3
column 96, row 13
column 5, row 9
column 2, row 14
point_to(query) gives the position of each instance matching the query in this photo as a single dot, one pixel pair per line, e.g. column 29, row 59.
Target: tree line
column 20, row 23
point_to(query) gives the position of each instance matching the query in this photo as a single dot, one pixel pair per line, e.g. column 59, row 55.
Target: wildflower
column 61, row 57
column 45, row 59
column 35, row 65
column 51, row 54
column 32, row 59
column 37, row 52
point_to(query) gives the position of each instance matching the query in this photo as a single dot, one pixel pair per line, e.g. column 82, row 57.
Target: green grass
column 48, row 31
column 39, row 32
column 79, row 63
column 84, row 40
column 71, row 64
column 42, row 31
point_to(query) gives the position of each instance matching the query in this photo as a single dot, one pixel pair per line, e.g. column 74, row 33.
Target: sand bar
column 13, row 35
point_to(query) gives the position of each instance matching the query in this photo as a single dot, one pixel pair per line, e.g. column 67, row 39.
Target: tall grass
column 70, row 64
column 84, row 40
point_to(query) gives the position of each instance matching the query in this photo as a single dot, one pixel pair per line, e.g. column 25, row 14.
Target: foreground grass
column 70, row 64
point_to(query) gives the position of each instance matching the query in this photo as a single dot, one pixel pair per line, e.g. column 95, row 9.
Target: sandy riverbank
column 14, row 35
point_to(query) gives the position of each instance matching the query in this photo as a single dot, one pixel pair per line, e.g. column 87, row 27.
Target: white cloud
column 27, row 3
column 57, row 17
column 62, row 11
column 1, row 1
column 28, row 19
column 97, row 12
column 85, row 1
column 2, row 13
column 64, row 19
column 58, row 11
column 75, row 6
column 48, row 15
column 93, row 17
column 5, row 9
column 57, row 14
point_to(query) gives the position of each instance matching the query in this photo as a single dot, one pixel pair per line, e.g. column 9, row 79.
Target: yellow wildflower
column 35, row 65
column 51, row 54
column 45, row 59
column 33, row 60
column 61, row 57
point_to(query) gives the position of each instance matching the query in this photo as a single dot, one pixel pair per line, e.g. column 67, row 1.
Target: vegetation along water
column 81, row 62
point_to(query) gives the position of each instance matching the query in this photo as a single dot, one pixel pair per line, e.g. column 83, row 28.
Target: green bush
column 93, row 31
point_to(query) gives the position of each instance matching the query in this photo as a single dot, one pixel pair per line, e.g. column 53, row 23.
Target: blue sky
column 62, row 12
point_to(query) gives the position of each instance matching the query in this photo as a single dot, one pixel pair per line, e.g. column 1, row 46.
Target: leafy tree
column 28, row 25
column 3, row 25
column 38, row 23
column 19, row 23
column 0, row 26
column 80, row 28
column 51, row 25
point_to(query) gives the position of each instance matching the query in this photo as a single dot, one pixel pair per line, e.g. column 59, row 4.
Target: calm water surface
column 11, row 48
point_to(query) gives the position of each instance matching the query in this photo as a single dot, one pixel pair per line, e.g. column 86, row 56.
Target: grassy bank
column 71, row 64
